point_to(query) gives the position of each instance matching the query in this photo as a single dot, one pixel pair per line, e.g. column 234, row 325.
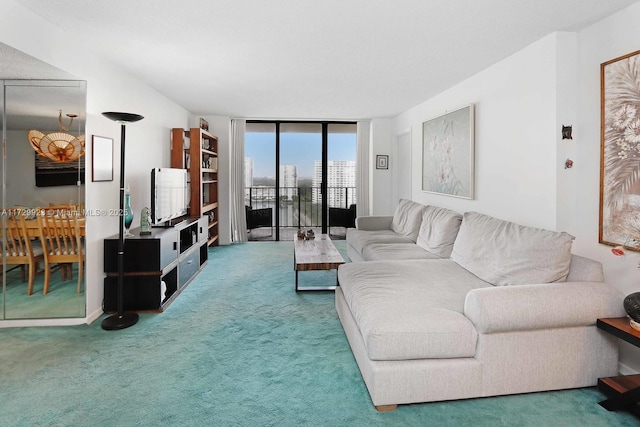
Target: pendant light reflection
column 58, row 146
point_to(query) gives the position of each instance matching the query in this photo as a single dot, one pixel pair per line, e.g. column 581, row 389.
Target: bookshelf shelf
column 197, row 150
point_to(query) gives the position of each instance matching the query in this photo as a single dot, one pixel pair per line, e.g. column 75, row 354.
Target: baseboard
column 626, row 370
column 22, row 323
column 42, row 322
column 94, row 316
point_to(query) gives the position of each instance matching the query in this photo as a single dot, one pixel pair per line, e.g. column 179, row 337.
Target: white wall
column 108, row 89
column 381, row 179
column 401, row 178
column 566, row 114
column 515, row 137
column 521, row 104
column 608, row 39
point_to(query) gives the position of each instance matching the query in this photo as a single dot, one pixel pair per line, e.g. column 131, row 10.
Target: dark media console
column 157, row 266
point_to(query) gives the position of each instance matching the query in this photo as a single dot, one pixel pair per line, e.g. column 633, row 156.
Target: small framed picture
column 102, row 158
column 382, row 161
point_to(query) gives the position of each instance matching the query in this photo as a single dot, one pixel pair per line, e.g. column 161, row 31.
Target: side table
column 623, row 391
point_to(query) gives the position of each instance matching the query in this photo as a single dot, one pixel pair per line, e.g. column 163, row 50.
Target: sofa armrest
column 374, row 223
column 542, row 306
column 584, row 269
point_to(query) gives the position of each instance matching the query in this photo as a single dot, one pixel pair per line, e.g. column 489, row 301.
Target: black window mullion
column 277, row 189
column 325, row 177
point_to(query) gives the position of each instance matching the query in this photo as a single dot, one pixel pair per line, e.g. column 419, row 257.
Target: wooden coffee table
column 315, row 254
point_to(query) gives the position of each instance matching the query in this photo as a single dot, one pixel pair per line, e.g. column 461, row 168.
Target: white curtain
column 236, row 190
column 363, row 137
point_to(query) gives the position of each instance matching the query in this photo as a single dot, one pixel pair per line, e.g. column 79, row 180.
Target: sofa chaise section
column 403, row 314
column 511, row 311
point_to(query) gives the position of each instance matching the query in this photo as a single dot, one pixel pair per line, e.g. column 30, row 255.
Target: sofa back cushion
column 505, row 253
column 438, row 230
column 407, row 219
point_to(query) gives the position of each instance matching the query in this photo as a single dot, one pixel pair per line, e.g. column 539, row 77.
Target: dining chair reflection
column 61, row 242
column 19, row 249
column 73, row 207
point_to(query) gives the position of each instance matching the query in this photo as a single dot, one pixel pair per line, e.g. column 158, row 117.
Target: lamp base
column 118, row 321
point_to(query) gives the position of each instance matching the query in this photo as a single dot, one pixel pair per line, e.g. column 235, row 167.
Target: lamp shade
column 122, row 117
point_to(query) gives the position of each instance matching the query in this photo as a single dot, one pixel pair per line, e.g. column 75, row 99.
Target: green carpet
column 61, row 301
column 238, row 348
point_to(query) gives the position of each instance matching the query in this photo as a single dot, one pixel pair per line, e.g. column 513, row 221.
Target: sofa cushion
column 361, row 238
column 389, row 251
column 505, row 253
column 404, row 313
column 407, row 219
column 438, row 230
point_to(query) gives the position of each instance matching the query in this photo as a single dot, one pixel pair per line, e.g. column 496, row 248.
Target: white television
column 169, row 195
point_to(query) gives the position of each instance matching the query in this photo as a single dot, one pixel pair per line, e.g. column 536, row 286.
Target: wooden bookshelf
column 197, row 151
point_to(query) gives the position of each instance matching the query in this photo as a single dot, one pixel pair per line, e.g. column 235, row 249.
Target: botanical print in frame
column 620, row 152
column 448, row 153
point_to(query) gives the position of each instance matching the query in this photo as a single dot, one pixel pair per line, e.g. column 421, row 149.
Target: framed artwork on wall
column 102, row 158
column 54, row 174
column 448, row 154
column 620, row 152
column 382, row 161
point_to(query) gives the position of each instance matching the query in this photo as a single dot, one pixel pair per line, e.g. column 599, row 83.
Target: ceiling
column 35, row 104
column 331, row 59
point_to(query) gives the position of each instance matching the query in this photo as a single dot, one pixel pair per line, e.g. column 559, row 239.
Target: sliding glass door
column 299, row 186
column 315, row 164
column 260, row 180
column 341, row 165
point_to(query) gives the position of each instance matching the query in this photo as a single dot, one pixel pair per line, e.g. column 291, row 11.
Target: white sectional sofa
column 439, row 306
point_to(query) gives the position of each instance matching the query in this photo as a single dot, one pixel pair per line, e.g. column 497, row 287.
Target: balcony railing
column 299, row 207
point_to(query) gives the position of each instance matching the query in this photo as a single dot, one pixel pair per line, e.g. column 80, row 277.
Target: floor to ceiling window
column 295, row 172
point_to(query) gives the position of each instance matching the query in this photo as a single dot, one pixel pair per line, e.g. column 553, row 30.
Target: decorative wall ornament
column 620, row 152
column 448, row 153
column 566, row 132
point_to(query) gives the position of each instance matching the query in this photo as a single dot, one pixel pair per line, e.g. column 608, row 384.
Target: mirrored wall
column 42, row 174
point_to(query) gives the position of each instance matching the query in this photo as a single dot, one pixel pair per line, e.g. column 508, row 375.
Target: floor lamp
column 121, row 320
